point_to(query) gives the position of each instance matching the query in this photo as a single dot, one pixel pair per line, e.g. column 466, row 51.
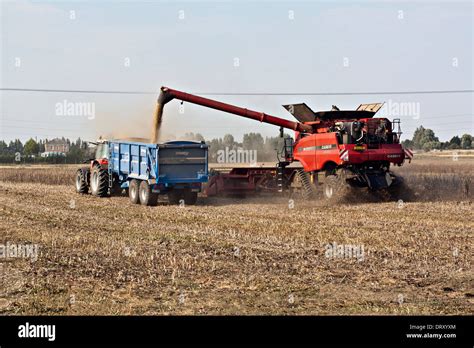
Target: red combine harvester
column 337, row 149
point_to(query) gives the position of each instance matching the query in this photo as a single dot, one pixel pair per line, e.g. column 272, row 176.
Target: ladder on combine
column 280, row 173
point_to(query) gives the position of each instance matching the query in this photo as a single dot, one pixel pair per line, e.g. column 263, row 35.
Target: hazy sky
column 234, row 46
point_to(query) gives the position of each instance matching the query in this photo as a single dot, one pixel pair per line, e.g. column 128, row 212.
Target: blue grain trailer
column 176, row 168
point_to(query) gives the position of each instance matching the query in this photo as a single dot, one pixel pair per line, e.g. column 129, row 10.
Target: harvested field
column 225, row 256
column 430, row 178
column 41, row 174
column 439, row 179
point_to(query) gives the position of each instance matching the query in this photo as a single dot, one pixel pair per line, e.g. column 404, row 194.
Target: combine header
column 337, row 149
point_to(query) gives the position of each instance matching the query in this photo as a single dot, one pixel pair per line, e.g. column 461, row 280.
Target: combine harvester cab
column 176, row 168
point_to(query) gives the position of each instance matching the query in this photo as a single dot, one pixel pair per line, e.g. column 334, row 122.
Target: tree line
column 79, row 151
column 266, row 148
column 425, row 139
column 17, row 152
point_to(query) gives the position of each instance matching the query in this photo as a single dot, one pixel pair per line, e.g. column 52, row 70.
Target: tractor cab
column 101, row 154
column 102, row 150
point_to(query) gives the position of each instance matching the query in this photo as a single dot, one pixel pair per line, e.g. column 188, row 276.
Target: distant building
column 56, row 145
column 53, row 154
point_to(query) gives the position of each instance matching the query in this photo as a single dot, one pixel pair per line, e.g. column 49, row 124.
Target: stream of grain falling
column 157, row 118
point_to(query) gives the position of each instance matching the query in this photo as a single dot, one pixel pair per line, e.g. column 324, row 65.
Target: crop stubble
column 106, row 256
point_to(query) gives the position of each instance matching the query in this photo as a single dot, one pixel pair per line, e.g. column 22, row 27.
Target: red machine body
column 325, row 141
column 316, row 151
column 241, row 181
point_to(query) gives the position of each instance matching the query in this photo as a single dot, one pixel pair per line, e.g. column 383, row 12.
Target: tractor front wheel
column 81, row 181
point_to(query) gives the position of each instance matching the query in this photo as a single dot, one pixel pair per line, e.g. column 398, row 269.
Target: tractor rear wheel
column 99, row 181
column 133, row 191
column 190, row 198
column 81, row 181
column 147, row 196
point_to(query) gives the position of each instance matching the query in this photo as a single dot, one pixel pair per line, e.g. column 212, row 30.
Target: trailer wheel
column 81, row 181
column 147, row 197
column 133, row 191
column 175, row 195
column 190, row 198
column 99, row 181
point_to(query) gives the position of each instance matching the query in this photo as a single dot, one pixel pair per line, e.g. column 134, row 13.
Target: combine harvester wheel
column 301, row 184
column 335, row 188
column 397, row 190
